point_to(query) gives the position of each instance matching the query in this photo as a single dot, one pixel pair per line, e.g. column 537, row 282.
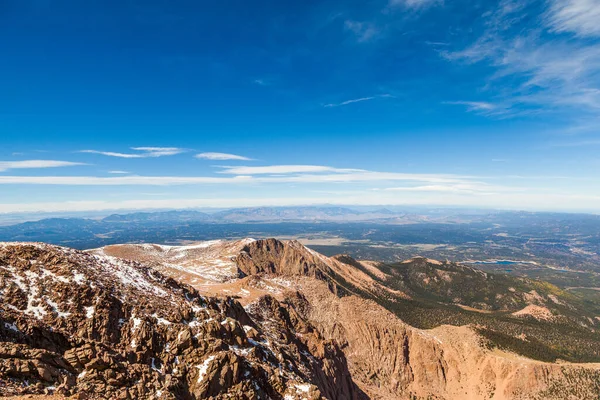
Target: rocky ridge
column 74, row 323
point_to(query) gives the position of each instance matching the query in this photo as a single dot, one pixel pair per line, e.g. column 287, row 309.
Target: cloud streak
column 361, row 99
column 144, row 152
column 414, row 4
column 473, row 188
column 533, row 201
column 581, row 17
column 534, row 71
column 284, row 169
column 474, row 105
column 35, row 164
column 276, row 174
column 221, row 156
column 363, row 31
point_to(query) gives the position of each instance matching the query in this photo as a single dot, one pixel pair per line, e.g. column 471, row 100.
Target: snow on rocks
column 202, row 368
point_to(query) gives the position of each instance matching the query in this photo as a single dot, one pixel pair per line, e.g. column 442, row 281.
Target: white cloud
column 364, row 31
column 349, row 102
column 283, row 169
column 345, row 103
column 221, row 156
column 145, row 152
column 534, row 72
column 118, row 172
column 528, row 201
column 473, row 188
column 243, row 176
column 474, row 105
column 431, row 43
column 581, row 17
column 414, row 3
column 34, row 164
column 160, row 151
column 114, row 181
column 580, row 143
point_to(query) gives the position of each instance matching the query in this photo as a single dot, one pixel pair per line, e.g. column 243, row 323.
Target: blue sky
column 152, row 104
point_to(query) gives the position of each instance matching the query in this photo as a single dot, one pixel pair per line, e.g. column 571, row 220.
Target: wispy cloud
column 262, row 82
column 358, row 100
column 284, row 169
column 221, row 156
column 430, row 43
column 459, row 188
column 118, row 172
column 244, row 175
column 533, row 201
column 363, row 31
column 580, row 143
column 414, row 3
column 474, row 105
column 35, row 164
column 536, row 71
column 144, row 152
column 581, row 17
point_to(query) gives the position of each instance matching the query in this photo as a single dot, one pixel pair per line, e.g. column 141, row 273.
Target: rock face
column 392, row 360
column 292, row 259
column 270, row 256
column 74, row 323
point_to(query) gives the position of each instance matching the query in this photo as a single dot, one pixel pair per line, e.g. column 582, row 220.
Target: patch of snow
column 239, row 351
column 303, row 387
column 128, row 275
column 89, row 311
column 136, row 324
column 161, row 321
column 203, row 368
column 78, row 277
column 32, row 296
column 60, row 278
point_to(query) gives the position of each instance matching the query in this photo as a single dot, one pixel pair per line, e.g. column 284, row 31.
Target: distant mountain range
column 260, row 214
column 381, row 226
column 165, row 226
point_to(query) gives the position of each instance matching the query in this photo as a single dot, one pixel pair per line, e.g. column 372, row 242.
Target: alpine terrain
column 270, row 319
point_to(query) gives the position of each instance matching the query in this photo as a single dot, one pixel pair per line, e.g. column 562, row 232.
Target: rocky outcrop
column 74, row 323
column 291, row 258
column 272, row 256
